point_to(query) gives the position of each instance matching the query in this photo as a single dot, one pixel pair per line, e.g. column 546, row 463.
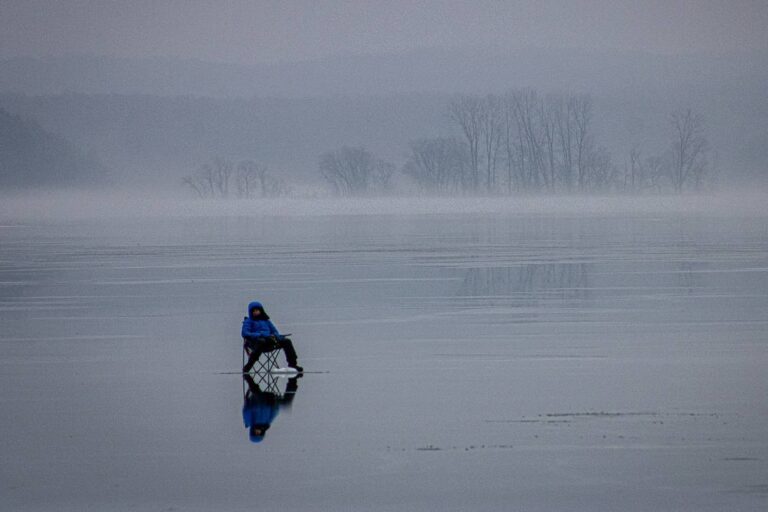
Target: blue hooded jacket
column 259, row 328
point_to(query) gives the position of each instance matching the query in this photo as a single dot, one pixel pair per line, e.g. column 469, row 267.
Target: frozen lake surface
column 469, row 362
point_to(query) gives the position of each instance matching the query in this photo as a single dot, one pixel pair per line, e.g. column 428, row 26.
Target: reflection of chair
column 266, row 382
column 267, row 360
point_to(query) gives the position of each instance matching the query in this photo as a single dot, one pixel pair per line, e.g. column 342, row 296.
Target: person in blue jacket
column 260, row 335
column 260, row 408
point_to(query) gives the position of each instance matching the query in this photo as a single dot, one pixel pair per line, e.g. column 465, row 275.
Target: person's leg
column 290, row 352
column 292, row 385
column 253, row 388
column 290, row 391
column 255, row 352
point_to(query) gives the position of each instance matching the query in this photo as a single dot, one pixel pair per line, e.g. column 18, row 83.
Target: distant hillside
column 161, row 139
column 33, row 157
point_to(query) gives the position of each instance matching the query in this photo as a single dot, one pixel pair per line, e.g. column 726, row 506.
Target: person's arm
column 245, row 331
column 273, row 330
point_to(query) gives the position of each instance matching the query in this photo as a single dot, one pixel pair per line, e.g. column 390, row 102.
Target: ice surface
column 476, row 361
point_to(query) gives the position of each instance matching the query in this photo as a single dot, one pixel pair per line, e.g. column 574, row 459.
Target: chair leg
column 268, row 361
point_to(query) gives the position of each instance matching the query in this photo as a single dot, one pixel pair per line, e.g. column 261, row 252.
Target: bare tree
column 633, row 171
column 582, row 120
column 547, row 121
column 689, row 148
column 491, row 118
column 509, row 139
column 601, row 173
column 381, row 178
column 250, row 179
column 212, row 179
column 525, row 145
column 348, row 170
column 564, row 125
column 251, row 176
column 528, row 110
column 540, row 140
column 546, row 142
column 656, row 172
column 562, row 112
column 437, row 165
column 467, row 112
column 218, row 173
column 355, row 171
column 193, row 183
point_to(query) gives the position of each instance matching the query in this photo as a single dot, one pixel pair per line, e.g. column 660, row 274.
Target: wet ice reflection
column 264, row 396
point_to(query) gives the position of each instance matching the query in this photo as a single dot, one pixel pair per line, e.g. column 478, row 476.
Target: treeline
column 522, row 141
column 161, row 140
column 222, row 178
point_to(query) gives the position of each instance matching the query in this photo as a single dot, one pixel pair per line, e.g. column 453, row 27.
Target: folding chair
column 267, row 360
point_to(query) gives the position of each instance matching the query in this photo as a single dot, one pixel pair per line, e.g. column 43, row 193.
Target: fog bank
column 78, row 205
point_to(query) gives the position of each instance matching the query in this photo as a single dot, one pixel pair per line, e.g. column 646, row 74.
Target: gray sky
column 264, row 31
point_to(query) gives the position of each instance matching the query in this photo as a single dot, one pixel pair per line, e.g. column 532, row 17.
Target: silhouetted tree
column 437, row 165
column 381, row 179
column 633, row 171
column 251, row 177
column 689, row 149
column 491, row 118
column 214, row 179
column 656, row 172
column 468, row 111
column 355, row 171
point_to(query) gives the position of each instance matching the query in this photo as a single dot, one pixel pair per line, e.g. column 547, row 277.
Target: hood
column 257, row 304
column 256, row 438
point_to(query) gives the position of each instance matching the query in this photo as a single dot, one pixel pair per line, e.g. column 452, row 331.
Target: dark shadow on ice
column 263, row 400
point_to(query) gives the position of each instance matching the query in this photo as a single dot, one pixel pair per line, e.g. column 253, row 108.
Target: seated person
column 260, row 335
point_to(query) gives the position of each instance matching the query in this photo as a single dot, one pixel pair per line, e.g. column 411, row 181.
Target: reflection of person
column 260, row 407
column 261, row 335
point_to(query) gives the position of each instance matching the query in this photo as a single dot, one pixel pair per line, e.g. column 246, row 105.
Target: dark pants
column 257, row 346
